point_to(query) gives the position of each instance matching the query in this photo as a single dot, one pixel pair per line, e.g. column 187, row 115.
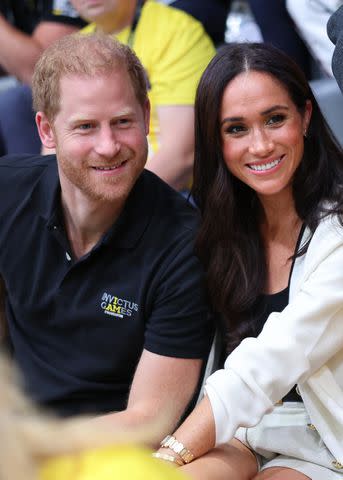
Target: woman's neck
column 279, row 215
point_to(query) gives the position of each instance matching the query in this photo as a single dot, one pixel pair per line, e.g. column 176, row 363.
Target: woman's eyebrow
column 231, row 119
column 273, row 108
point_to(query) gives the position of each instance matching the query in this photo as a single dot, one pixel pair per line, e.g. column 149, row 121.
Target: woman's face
column 262, row 132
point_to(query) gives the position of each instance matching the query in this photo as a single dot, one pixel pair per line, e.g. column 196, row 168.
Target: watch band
column 168, row 458
column 170, row 442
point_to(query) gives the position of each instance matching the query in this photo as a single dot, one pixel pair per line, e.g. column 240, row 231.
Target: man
column 26, row 28
column 103, row 288
column 335, row 33
column 174, row 48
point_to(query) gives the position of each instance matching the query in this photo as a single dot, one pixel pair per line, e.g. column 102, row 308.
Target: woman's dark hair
column 229, row 242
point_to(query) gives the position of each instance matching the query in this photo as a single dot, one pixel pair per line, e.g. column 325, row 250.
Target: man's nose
column 107, row 143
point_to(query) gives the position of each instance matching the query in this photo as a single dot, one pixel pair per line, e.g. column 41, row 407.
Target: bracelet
column 170, row 442
column 169, row 458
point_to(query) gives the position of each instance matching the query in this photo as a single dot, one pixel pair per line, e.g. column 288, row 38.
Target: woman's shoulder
column 328, row 235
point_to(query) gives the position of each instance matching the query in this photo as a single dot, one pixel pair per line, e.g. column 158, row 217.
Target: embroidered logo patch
column 117, row 307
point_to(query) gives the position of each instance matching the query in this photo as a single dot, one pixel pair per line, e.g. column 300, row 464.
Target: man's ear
column 45, row 130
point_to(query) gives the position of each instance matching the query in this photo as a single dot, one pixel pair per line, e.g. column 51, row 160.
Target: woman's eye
column 275, row 119
column 235, row 129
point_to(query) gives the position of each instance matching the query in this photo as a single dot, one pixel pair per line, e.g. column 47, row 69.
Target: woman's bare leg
column 229, row 462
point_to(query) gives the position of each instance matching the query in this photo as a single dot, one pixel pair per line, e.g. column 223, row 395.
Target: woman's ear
column 307, row 116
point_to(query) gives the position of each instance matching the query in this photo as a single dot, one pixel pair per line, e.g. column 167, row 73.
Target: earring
column 305, row 133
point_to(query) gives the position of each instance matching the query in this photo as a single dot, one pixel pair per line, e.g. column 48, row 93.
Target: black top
column 267, row 304
column 77, row 327
column 26, row 14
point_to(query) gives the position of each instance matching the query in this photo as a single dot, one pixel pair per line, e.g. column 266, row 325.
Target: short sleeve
column 180, row 324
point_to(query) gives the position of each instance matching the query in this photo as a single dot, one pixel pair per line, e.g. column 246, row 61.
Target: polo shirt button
column 337, row 465
column 311, row 426
column 68, row 257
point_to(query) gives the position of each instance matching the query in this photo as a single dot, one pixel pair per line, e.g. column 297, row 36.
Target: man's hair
column 88, row 55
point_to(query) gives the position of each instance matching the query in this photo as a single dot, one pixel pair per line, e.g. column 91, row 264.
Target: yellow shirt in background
column 174, row 49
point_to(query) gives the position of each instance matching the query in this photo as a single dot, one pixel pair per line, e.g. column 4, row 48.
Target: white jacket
column 301, row 345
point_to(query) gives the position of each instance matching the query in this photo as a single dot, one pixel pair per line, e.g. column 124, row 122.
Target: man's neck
column 116, row 21
column 87, row 221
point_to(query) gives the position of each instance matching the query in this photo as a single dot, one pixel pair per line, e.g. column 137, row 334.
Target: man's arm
column 173, row 162
column 3, row 322
column 19, row 51
column 162, row 388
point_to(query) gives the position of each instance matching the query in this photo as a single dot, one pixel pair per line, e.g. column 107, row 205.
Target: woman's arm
column 293, row 345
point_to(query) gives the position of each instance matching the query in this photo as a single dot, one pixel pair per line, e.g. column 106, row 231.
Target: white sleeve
column 292, row 345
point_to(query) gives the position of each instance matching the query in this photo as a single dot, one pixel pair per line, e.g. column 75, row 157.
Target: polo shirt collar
column 46, row 195
column 135, row 217
column 131, row 223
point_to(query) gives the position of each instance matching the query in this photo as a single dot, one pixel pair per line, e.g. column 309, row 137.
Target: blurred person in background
column 335, row 33
column 26, row 29
column 36, row 446
column 310, row 18
column 278, row 29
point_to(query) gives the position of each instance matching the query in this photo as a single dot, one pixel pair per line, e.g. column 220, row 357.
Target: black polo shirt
column 77, row 327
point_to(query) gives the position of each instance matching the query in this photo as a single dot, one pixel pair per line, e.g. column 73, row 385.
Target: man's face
column 93, row 10
column 100, row 136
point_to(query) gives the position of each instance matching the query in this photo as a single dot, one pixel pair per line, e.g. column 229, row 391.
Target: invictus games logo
column 117, row 307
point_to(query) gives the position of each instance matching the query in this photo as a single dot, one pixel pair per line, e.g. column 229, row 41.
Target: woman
column 268, row 181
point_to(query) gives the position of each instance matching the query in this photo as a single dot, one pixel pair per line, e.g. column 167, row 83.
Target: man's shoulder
column 22, row 162
column 170, row 209
column 21, row 170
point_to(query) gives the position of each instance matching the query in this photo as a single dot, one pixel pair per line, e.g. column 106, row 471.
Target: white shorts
column 286, row 438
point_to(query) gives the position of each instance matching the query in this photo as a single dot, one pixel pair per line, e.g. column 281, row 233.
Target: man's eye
column 85, row 126
column 275, row 119
column 123, row 121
